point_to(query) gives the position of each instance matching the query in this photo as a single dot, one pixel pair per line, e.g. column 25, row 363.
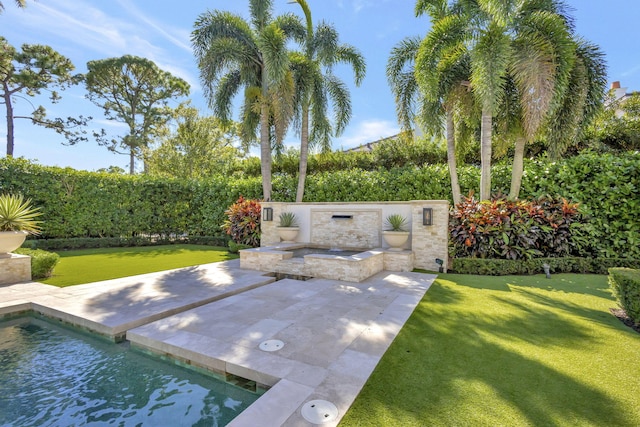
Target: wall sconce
column 427, row 216
column 267, row 214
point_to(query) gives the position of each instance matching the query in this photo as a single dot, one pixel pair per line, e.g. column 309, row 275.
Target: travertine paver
column 112, row 307
column 334, row 333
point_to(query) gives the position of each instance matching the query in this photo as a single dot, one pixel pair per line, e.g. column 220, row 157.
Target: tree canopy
column 27, row 73
column 199, row 147
column 134, row 91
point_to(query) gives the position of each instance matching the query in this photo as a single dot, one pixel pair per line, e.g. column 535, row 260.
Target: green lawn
column 91, row 265
column 507, row 351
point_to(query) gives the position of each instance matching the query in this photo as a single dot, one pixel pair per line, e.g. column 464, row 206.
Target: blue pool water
column 51, row 376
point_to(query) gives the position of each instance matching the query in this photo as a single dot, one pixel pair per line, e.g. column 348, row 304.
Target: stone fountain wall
column 360, row 225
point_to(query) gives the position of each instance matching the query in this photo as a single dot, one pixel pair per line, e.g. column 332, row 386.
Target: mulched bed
column 622, row 316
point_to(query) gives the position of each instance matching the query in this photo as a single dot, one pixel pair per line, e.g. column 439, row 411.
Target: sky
column 85, row 30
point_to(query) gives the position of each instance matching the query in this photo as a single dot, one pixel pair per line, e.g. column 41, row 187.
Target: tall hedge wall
column 87, row 204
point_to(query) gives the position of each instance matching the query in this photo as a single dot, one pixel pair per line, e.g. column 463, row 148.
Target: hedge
column 121, row 242
column 503, row 267
column 88, row 204
column 625, row 284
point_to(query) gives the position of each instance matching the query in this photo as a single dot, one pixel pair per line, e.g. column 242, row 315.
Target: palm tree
column 316, row 86
column 521, row 62
column 432, row 73
column 528, row 41
column 234, row 54
column 550, row 93
column 20, row 3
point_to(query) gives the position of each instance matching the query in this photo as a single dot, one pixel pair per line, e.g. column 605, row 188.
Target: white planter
column 395, row 239
column 11, row 240
column 288, row 234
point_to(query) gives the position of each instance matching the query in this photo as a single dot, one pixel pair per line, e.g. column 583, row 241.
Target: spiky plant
column 396, row 222
column 16, row 214
column 288, row 219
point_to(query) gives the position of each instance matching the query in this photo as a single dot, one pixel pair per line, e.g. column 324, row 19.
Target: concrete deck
column 216, row 316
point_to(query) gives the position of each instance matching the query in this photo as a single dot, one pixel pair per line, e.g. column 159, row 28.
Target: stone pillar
column 269, row 232
column 429, row 242
column 14, row 268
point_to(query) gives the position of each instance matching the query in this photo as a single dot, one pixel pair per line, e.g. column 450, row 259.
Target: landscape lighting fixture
column 427, row 216
column 267, row 214
column 440, row 264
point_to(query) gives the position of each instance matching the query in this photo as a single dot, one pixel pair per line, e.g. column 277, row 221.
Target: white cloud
column 84, row 27
column 367, row 131
column 182, row 41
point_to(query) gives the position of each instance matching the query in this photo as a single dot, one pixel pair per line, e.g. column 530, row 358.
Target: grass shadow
column 466, row 357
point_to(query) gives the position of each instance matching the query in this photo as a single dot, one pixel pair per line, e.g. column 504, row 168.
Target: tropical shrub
column 625, row 284
column 396, row 222
column 16, row 214
column 288, row 219
column 243, row 222
column 42, row 262
column 513, row 229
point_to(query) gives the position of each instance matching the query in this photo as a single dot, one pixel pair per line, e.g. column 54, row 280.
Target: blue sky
column 85, row 30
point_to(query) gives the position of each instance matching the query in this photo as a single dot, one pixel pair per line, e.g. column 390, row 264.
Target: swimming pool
column 52, row 376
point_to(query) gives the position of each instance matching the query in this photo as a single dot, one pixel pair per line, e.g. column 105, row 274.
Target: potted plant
column 396, row 233
column 288, row 228
column 17, row 220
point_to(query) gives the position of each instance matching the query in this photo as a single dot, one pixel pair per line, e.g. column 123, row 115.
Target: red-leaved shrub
column 243, row 222
column 514, row 229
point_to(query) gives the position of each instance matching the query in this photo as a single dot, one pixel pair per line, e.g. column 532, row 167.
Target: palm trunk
column 7, row 102
column 304, row 152
column 518, row 167
column 265, row 154
column 451, row 158
column 485, row 155
column 265, row 142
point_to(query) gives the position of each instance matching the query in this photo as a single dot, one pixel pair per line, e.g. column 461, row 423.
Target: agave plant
column 16, row 214
column 288, row 219
column 396, row 222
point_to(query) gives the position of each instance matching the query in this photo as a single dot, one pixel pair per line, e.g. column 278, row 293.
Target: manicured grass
column 507, row 351
column 92, row 265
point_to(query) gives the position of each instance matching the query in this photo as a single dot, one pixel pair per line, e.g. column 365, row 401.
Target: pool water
column 51, row 376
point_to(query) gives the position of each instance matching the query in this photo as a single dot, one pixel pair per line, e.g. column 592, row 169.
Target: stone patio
column 216, row 315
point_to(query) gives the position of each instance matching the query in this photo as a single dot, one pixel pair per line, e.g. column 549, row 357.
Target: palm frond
column 292, row 27
column 490, row 59
column 272, row 42
column 350, row 55
column 210, row 26
column 260, row 11
column 340, row 98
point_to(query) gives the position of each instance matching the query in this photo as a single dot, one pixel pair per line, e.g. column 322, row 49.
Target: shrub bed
column 42, row 262
column 514, row 229
column 625, row 284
